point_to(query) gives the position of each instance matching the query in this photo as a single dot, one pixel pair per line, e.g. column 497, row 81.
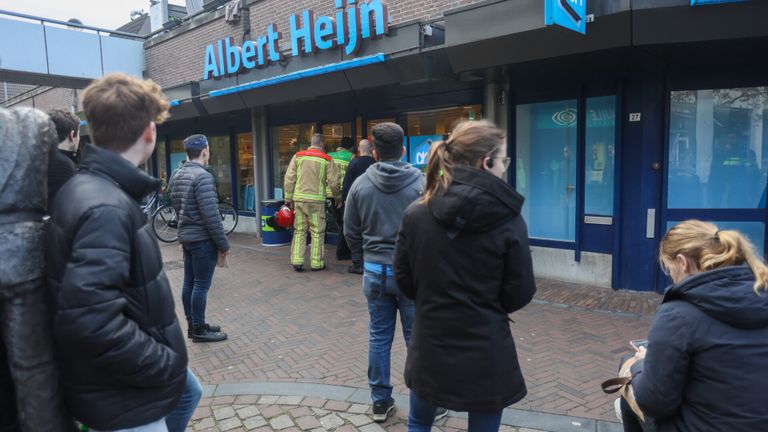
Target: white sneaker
column 617, row 408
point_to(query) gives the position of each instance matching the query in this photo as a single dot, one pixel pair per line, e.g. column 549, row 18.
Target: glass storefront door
column 286, row 141
column 334, row 132
column 718, row 159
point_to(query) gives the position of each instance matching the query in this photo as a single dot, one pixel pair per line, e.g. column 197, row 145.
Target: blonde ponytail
column 439, row 170
column 710, row 248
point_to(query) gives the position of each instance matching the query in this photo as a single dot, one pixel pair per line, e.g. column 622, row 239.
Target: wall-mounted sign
column 709, row 2
column 571, row 14
column 635, row 117
column 352, row 23
column 419, row 148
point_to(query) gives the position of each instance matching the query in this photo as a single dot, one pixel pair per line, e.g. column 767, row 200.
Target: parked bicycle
column 165, row 221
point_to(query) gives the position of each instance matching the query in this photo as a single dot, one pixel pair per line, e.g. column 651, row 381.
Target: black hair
column 347, row 143
column 65, row 123
column 388, row 141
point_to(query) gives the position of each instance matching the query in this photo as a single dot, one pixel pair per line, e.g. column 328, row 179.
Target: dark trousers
column 342, row 248
column 8, row 419
column 199, row 264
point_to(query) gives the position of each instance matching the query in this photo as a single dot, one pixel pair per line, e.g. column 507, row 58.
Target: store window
column 245, row 183
column 359, row 131
column 220, row 164
column 333, row 134
column 426, row 127
column 718, row 142
column 600, row 156
column 370, row 124
column 178, row 155
column 162, row 168
column 286, row 141
column 546, row 168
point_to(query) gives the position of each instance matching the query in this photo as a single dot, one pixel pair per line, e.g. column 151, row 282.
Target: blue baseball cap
column 195, row 142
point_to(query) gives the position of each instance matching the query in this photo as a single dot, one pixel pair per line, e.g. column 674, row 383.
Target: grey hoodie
column 375, row 207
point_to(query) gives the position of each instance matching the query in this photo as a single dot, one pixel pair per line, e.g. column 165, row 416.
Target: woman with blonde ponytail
column 705, row 366
column 462, row 254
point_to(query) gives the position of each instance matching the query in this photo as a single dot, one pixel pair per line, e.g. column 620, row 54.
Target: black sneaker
column 298, row 268
column 356, row 268
column 212, row 327
column 382, row 409
column 203, row 334
column 440, row 413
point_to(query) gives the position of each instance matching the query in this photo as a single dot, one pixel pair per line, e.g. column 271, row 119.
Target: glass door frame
column 581, row 94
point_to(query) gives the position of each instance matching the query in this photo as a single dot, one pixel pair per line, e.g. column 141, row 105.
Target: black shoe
column 212, row 327
column 319, row 269
column 203, row 334
column 298, row 268
column 382, row 409
column 440, row 413
column 356, row 268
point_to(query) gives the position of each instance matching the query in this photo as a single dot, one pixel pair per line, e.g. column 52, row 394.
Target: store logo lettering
column 566, row 117
column 351, row 24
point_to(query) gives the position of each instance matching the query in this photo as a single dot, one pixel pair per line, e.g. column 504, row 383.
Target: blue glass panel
column 600, row 156
column 717, row 149
column 546, row 168
column 754, row 231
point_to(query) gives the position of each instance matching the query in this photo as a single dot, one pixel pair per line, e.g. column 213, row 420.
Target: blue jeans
column 178, row 419
column 422, row 415
column 384, row 300
column 199, row 263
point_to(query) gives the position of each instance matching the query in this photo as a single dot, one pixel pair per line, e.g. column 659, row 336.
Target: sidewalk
column 298, row 329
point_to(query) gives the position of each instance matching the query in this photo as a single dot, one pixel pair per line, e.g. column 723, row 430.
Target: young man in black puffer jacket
column 122, row 353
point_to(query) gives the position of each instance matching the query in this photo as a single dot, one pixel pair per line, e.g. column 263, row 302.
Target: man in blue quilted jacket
column 201, row 234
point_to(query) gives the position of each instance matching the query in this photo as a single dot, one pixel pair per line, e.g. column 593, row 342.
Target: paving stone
column 314, row 402
column 360, row 420
column 358, row 409
column 263, row 429
column 346, row 428
column 223, row 400
column 529, row 430
column 289, row 400
column 336, row 406
column 320, row 429
column 282, row 422
column 308, row 422
column 230, row 424
column 223, row 413
column 205, row 423
column 399, row 427
column 373, row 427
column 457, row 423
column 319, row 411
column 300, row 412
column 254, row 422
column 247, row 399
column 247, row 412
column 268, row 400
column 271, row 411
column 331, row 421
column 201, row 412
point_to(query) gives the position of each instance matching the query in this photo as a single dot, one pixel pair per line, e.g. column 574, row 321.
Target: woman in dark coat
column 707, row 357
column 462, row 254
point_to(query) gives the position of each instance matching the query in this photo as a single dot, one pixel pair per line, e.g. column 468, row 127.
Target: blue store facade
column 659, row 113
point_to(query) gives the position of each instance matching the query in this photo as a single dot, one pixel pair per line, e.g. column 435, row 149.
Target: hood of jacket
column 476, row 201
column 131, row 179
column 391, row 177
column 725, row 294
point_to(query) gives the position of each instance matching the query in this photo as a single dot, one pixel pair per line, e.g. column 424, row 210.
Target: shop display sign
column 571, row 14
column 419, row 148
column 352, row 23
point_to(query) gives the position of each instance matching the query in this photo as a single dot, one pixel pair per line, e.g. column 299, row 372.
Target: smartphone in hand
column 637, row 343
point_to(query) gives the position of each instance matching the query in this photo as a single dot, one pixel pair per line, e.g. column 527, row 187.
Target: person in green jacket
column 342, row 157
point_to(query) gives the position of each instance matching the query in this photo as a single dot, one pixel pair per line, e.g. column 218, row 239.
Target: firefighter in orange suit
column 309, row 173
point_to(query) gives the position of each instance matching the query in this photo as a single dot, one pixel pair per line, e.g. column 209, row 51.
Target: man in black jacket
column 357, row 167
column 122, row 353
column 194, row 196
column 62, row 167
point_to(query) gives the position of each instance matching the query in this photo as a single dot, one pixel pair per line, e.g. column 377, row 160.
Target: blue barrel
column 269, row 235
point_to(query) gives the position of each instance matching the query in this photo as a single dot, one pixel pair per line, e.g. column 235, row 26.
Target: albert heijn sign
column 352, row 23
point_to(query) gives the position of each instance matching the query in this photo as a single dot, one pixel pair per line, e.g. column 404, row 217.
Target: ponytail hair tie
column 717, row 235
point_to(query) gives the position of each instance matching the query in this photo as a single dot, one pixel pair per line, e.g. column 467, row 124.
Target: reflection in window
column 370, row 124
column 546, row 168
column 245, row 185
column 178, row 155
column 333, row 134
column 220, row 164
column 600, row 155
column 718, row 142
column 426, row 127
column 286, row 141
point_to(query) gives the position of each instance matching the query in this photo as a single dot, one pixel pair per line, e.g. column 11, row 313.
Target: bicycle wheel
column 228, row 217
column 165, row 224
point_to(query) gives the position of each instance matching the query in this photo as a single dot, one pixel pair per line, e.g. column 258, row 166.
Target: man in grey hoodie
column 374, row 208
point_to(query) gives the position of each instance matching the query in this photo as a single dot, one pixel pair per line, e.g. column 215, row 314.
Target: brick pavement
column 312, row 328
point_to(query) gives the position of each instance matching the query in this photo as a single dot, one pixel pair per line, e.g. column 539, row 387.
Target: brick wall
column 180, row 59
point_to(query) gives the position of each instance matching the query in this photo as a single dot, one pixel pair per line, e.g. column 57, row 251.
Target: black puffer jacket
column 194, row 197
column 465, row 260
column 123, row 355
column 707, row 356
